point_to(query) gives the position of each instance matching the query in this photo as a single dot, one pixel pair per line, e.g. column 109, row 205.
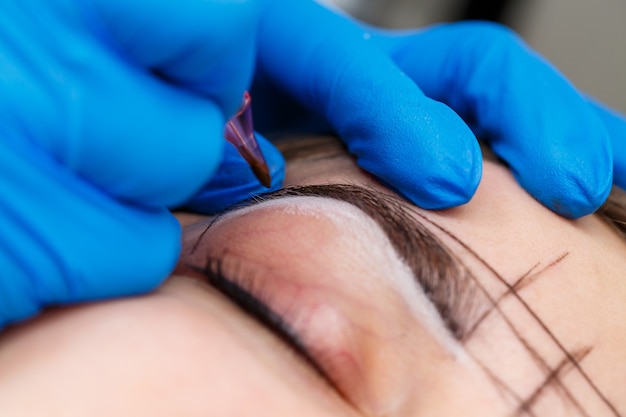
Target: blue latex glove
column 110, row 111
column 616, row 125
column 382, row 92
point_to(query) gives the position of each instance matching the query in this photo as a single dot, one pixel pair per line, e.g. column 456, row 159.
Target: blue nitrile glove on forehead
column 382, row 91
column 113, row 111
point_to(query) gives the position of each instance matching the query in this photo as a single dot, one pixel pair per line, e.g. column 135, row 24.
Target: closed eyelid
column 252, row 305
column 441, row 276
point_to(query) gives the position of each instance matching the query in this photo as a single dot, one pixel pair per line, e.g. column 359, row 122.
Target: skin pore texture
column 325, row 300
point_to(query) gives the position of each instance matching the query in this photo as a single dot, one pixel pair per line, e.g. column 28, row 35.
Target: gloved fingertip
column 454, row 188
column 418, row 147
column 436, row 187
column 572, row 196
column 235, row 181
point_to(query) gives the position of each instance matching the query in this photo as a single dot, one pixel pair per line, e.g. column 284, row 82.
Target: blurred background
column 585, row 39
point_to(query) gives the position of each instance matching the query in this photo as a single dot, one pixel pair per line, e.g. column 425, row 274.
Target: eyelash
column 237, row 287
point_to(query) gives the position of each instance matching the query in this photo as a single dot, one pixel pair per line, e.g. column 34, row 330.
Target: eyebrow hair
column 443, row 278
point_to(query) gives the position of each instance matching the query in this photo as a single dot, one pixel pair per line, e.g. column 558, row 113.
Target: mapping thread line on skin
column 529, row 278
column 523, row 281
column 568, row 356
column 525, row 406
column 503, row 388
column 196, row 244
column 561, row 369
column 539, row 361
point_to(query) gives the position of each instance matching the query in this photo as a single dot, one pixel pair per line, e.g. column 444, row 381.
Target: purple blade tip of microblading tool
column 240, row 132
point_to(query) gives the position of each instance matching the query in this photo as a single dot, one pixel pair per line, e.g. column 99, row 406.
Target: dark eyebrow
column 443, row 278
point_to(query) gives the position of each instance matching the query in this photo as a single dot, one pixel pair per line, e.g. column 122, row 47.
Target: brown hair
column 613, row 211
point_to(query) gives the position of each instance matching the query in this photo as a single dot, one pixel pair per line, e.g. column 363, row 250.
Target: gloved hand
column 615, row 123
column 110, row 111
column 383, row 93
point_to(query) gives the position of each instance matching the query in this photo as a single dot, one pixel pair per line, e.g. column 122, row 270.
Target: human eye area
column 443, row 278
column 360, row 350
column 328, row 280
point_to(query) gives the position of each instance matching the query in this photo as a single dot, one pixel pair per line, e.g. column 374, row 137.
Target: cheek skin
column 182, row 351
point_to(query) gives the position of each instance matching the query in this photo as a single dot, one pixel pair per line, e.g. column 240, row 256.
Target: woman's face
column 346, row 301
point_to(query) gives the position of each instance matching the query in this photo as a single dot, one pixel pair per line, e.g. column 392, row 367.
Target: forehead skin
column 181, row 351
